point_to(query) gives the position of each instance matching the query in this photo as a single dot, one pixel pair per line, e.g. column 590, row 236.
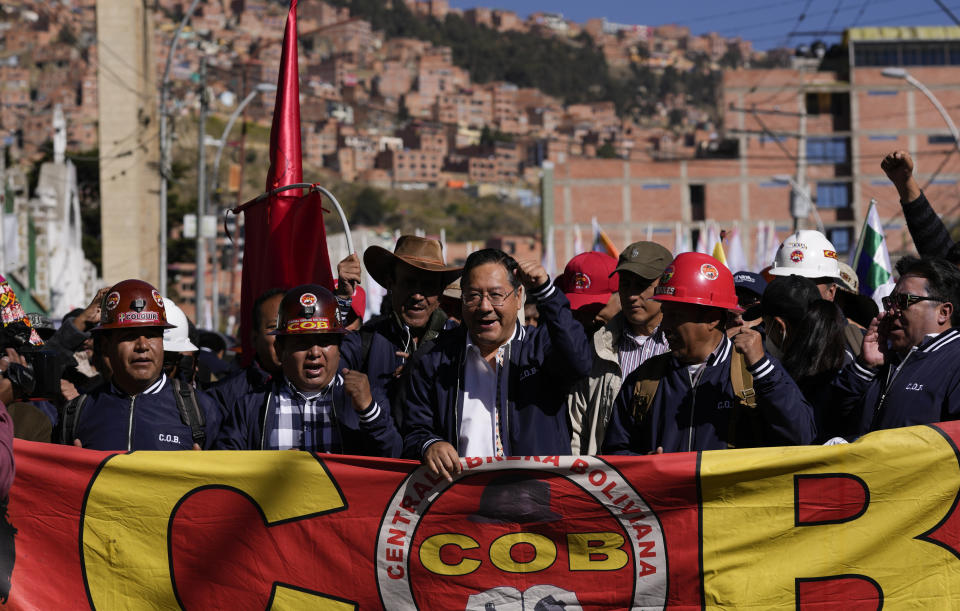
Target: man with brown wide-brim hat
column 414, row 275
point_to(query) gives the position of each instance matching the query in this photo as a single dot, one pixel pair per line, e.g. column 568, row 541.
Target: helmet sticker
column 308, row 299
column 830, row 254
column 157, row 297
column 113, row 299
column 667, row 275
column 301, row 325
column 665, row 290
column 138, row 317
column 709, row 272
column 581, row 281
column 796, row 256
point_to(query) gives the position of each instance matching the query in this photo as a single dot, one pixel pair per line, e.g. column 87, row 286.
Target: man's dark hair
column 943, row 280
column 267, row 294
column 493, row 255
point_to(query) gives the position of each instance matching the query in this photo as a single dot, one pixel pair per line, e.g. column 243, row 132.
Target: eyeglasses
column 902, row 301
column 496, row 298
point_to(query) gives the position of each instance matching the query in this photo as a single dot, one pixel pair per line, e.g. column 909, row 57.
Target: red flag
column 285, row 241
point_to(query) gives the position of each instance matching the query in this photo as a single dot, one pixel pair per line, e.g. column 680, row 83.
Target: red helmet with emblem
column 308, row 308
column 132, row 303
column 698, row 279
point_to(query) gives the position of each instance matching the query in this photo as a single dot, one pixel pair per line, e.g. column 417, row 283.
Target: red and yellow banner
column 847, row 527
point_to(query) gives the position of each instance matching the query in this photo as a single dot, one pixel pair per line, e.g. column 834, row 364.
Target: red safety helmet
column 308, row 308
column 132, row 303
column 698, row 279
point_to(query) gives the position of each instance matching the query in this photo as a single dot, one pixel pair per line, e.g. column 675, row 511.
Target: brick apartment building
column 828, row 130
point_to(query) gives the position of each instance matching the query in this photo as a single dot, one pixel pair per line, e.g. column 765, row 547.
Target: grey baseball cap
column 645, row 259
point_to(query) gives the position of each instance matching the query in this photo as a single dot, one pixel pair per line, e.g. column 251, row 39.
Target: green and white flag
column 872, row 260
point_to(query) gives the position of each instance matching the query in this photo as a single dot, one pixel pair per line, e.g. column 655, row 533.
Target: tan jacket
column 590, row 403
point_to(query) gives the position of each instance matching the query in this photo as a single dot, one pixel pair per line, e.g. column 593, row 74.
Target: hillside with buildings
column 424, row 116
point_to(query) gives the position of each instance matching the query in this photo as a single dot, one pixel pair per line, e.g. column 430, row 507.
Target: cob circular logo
column 497, row 538
column 113, row 300
column 157, row 298
column 581, row 281
column 796, row 256
column 308, row 299
column 709, row 271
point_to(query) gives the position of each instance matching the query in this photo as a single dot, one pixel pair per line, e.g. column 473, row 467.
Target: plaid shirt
column 305, row 423
column 635, row 349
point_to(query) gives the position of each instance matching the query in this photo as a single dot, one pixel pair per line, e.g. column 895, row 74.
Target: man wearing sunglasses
column 493, row 387
column 909, row 370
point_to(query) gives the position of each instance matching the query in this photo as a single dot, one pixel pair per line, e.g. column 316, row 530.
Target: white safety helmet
column 176, row 338
column 806, row 253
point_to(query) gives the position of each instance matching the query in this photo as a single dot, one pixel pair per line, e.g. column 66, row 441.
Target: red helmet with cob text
column 308, row 308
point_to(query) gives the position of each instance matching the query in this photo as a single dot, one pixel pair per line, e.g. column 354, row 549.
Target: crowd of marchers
column 642, row 354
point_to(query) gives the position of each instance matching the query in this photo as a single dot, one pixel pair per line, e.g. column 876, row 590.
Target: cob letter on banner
column 872, row 260
column 867, row 525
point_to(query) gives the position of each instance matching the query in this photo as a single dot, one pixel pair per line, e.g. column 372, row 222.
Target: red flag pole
column 285, row 241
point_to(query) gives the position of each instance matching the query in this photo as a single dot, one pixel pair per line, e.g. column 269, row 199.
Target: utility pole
column 200, row 283
column 165, row 143
column 234, row 251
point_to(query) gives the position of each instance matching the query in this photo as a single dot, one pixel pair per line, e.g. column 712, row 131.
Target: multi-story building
column 823, row 128
column 412, row 166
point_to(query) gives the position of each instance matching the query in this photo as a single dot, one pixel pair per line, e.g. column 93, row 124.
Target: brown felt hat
column 420, row 253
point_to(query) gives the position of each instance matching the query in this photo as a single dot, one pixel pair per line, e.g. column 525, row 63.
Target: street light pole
column 900, row 73
column 801, row 192
column 214, row 186
column 165, row 145
column 200, row 279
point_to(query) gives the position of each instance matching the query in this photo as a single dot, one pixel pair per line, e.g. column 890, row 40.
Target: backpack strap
column 742, row 382
column 645, row 388
column 366, row 340
column 189, row 410
column 68, row 421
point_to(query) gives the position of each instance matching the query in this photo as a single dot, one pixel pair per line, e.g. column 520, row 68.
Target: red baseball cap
column 587, row 279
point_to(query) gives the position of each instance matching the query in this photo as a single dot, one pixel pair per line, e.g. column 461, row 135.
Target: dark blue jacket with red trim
column 921, row 388
column 686, row 418
column 113, row 420
column 368, row 433
column 545, row 362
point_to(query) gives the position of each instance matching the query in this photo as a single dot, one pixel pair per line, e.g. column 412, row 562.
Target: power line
column 947, row 10
column 833, row 15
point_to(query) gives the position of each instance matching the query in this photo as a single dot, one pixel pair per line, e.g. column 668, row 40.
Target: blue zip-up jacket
column 369, row 433
column 544, row 363
column 684, row 418
column 227, row 392
column 922, row 388
column 386, row 336
column 113, row 420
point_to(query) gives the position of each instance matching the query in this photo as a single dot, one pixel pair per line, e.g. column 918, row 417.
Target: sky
column 768, row 23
